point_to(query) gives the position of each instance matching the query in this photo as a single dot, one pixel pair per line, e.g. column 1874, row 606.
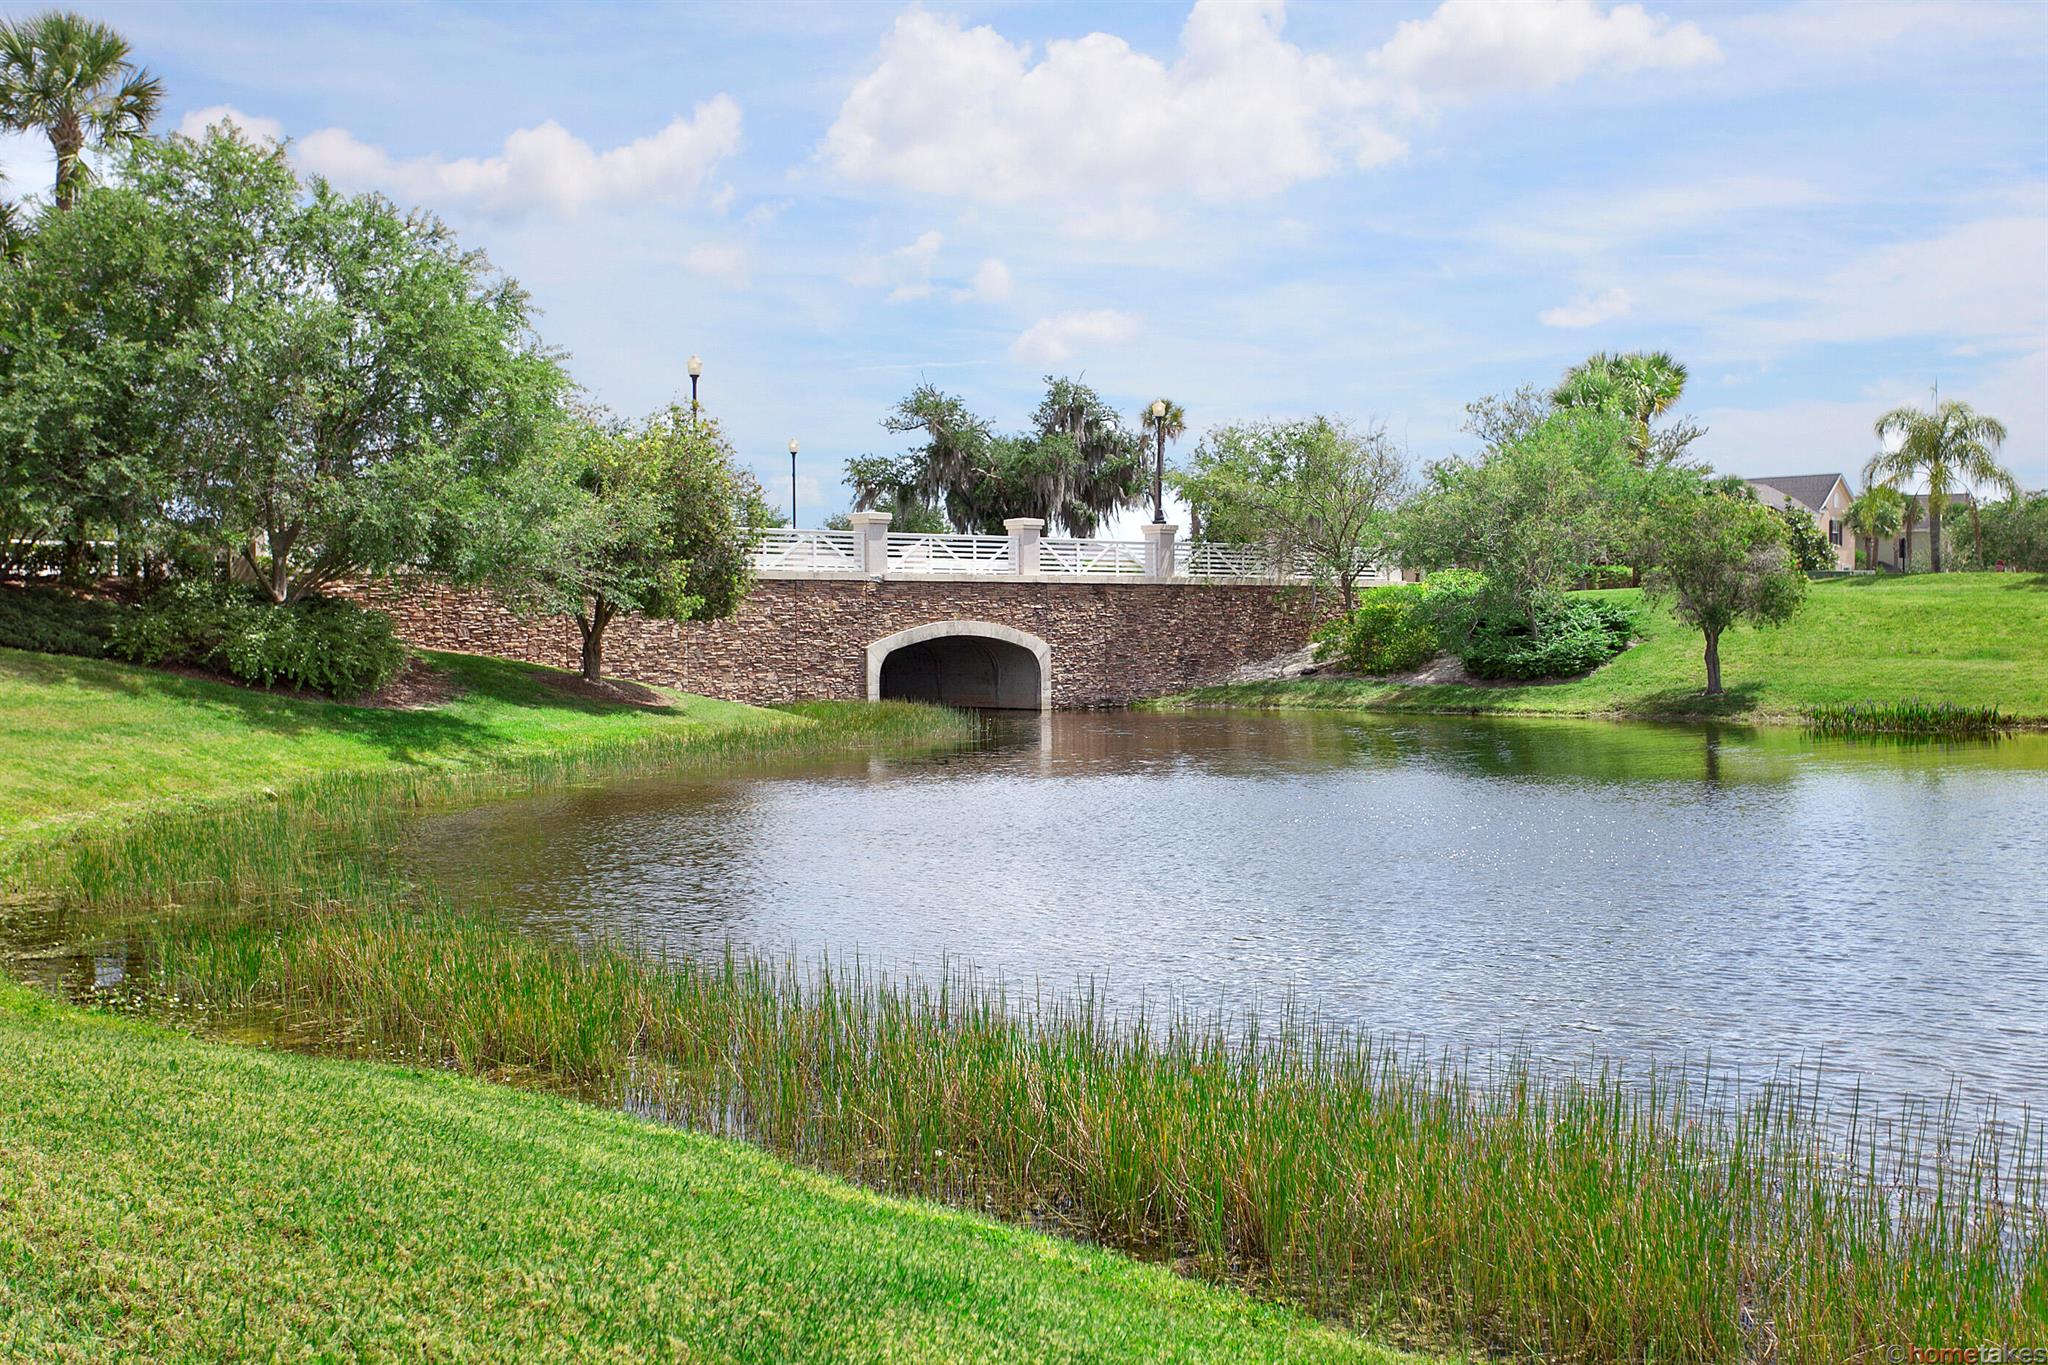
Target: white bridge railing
column 870, row 549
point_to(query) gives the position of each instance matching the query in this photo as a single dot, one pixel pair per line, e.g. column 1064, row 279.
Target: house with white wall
column 1824, row 497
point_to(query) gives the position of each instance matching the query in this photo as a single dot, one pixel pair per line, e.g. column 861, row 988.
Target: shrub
column 319, row 644
column 53, row 622
column 1387, row 631
column 1577, row 636
column 1452, row 600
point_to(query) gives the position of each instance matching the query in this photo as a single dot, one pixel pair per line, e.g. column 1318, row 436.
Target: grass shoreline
column 1969, row 640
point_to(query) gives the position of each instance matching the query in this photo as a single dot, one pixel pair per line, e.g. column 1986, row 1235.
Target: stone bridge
column 1014, row 621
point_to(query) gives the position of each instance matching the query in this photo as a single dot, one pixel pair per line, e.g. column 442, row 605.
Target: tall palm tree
column 71, row 77
column 1875, row 515
column 1954, row 448
column 1638, row 387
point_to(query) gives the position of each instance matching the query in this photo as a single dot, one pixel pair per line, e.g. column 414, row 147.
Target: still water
column 1572, row 888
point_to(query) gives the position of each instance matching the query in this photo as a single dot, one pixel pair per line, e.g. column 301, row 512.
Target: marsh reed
column 1605, row 1215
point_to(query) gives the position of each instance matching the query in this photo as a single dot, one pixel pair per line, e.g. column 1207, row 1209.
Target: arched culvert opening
column 962, row 663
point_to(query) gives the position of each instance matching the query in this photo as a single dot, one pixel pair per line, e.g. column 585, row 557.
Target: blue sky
column 1376, row 210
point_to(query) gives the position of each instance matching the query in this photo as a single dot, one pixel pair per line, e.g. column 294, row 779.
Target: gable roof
column 1808, row 490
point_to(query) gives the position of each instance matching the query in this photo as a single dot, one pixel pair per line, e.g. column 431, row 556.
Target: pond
column 1878, row 910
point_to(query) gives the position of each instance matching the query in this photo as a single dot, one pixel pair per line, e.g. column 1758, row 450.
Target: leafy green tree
column 89, row 314
column 1876, row 514
column 1720, row 561
column 1318, row 490
column 1952, row 449
column 1638, row 387
column 71, row 78
column 614, row 519
column 1536, row 516
column 2015, row 534
column 1811, row 549
column 351, row 375
column 1076, row 465
column 14, row 230
column 913, row 518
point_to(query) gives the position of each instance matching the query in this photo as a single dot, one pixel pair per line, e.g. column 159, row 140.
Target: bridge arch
column 963, row 663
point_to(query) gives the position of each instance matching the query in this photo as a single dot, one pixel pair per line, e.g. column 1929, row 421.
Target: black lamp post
column 1159, row 463
column 792, row 484
column 696, row 369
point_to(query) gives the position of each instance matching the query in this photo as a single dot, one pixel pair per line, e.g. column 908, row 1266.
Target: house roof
column 1808, row 490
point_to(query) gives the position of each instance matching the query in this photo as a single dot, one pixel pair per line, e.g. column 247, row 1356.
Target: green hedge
column 1576, row 637
column 318, row 644
column 53, row 622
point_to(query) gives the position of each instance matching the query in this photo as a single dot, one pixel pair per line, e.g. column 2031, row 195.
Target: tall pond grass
column 1939, row 719
column 1601, row 1216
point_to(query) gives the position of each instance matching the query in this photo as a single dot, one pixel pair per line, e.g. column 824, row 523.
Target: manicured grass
column 91, row 737
column 167, row 1199
column 1969, row 640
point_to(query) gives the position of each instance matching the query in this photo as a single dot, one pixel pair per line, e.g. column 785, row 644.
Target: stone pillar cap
column 1155, row 528
column 869, row 519
column 1023, row 523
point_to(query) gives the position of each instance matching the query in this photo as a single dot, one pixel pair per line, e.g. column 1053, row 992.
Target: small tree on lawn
column 1721, row 560
column 615, row 519
column 1319, row 490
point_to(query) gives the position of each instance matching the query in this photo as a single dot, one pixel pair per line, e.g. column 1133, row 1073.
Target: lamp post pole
column 792, row 485
column 1159, row 462
column 696, row 369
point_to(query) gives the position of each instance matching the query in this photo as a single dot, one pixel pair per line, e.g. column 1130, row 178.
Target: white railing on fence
column 1091, row 556
column 949, row 554
column 781, row 548
column 1208, row 559
column 840, row 551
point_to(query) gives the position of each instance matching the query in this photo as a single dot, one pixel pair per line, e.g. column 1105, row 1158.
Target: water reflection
column 1563, row 884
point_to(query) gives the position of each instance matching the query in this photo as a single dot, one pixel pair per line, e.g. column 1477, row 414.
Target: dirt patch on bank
column 619, row 690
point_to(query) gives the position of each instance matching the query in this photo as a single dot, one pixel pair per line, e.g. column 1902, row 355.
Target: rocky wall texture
column 803, row 639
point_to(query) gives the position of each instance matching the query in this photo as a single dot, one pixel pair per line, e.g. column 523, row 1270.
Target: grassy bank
column 86, row 737
column 172, row 1200
column 1967, row 640
column 1585, row 1219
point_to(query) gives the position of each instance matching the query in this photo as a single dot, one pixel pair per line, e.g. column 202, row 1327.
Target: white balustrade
column 1092, row 556
column 949, row 554
column 870, row 549
column 779, row 547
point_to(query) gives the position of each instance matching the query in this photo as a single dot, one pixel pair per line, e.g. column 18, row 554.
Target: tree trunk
column 72, row 573
column 1933, row 535
column 592, row 627
column 1713, row 663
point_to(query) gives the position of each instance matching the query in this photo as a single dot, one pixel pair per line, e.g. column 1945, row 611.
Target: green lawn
column 87, row 736
column 1967, row 639
column 167, row 1199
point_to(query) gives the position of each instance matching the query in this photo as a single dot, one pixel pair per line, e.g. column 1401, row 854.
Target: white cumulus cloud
column 906, row 272
column 1240, row 113
column 545, row 168
column 1057, row 339
column 993, row 282
column 1589, row 310
column 1469, row 48
column 255, row 126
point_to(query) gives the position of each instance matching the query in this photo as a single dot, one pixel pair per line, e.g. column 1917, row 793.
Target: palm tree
column 1174, row 425
column 1637, row 387
column 71, row 77
column 1875, row 515
column 1953, row 448
column 13, row 230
